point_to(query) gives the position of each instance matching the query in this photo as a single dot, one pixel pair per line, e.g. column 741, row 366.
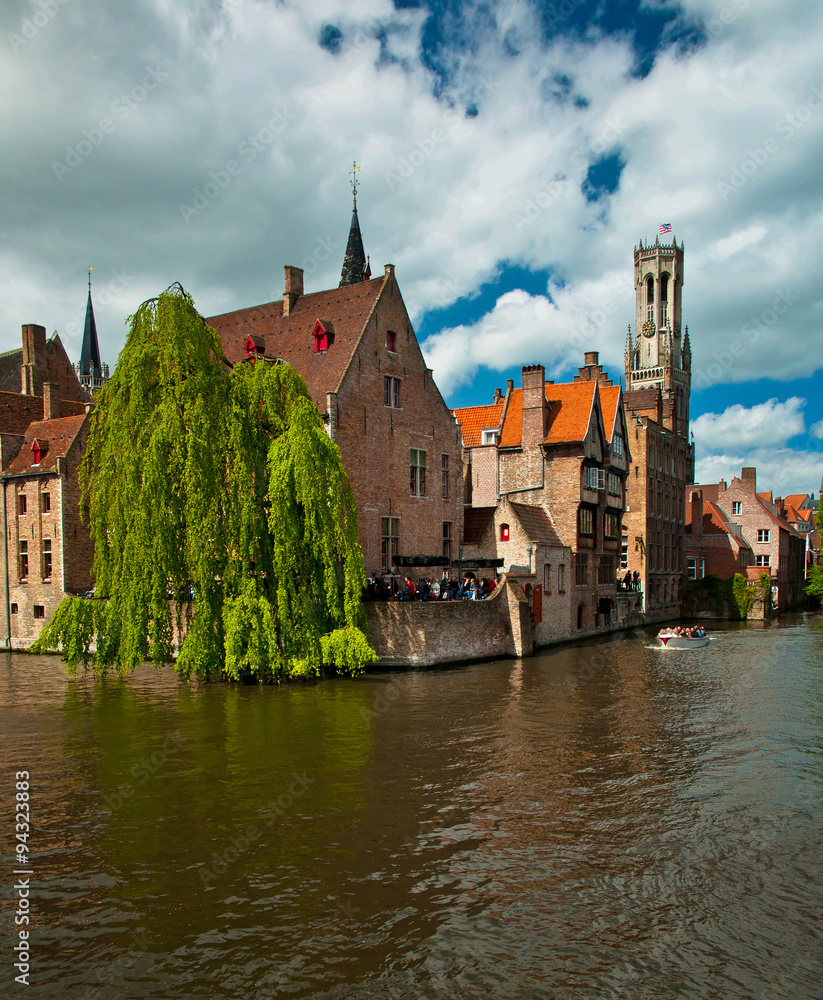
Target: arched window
column 650, row 298
column 664, row 299
column 504, row 532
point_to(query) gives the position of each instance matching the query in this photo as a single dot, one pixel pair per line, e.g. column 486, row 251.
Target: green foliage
column 732, row 598
column 814, row 583
column 218, row 479
column 347, row 650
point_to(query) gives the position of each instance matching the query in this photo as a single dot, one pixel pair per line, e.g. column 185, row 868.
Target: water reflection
column 603, row 820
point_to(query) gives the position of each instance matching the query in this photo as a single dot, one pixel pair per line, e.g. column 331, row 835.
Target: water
column 608, row 820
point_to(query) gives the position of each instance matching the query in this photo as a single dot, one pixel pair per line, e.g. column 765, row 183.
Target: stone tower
column 660, row 354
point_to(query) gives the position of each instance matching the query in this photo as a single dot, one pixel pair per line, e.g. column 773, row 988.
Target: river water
column 606, row 820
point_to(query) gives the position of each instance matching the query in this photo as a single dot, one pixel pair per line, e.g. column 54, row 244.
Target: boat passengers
column 693, row 632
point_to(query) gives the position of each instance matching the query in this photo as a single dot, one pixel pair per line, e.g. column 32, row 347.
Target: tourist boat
column 682, row 641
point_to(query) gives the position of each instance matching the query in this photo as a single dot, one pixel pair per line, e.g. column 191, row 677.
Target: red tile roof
column 570, row 409
column 290, row 337
column 55, row 437
column 475, row 419
column 609, row 398
column 512, row 433
column 795, row 500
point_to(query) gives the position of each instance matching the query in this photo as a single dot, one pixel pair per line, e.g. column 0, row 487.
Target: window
column 610, row 525
column 390, row 531
column 504, row 532
column 39, row 611
column 737, row 507
column 391, row 341
column 581, row 569
column 650, row 298
column 489, row 437
column 447, row 540
column 614, row 485
column 36, row 453
column 762, row 534
column 391, row 391
column 617, row 445
column 664, row 297
column 417, row 481
column 46, row 558
column 14, row 609
column 561, row 578
column 321, row 339
column 606, row 571
column 444, row 470
column 594, row 479
column 585, row 521
column 762, row 560
column 24, row 560
column 547, row 578
column 624, row 551
column 21, row 503
column 46, row 502
column 594, row 433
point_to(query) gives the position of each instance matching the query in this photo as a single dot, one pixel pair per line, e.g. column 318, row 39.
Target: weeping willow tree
column 814, row 580
column 215, row 484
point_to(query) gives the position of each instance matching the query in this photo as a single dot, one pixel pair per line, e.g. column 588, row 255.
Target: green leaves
column 218, row 479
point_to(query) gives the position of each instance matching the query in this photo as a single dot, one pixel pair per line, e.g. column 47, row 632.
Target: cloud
column 761, row 426
column 816, row 430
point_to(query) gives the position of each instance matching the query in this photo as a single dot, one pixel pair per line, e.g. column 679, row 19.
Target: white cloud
column 816, row 430
column 739, row 427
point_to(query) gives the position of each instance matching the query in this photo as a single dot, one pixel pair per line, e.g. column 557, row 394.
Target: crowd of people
column 391, row 588
column 685, row 632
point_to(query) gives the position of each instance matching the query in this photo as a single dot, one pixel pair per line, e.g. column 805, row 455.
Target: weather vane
column 354, row 182
column 90, row 270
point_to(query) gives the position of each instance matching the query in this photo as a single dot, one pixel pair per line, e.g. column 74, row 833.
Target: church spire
column 355, row 264
column 90, row 370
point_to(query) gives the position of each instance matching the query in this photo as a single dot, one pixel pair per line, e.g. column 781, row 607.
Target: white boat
column 683, row 641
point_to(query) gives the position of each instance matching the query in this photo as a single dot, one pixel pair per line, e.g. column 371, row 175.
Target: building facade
column 545, row 469
column 356, row 349
column 658, row 366
column 47, row 552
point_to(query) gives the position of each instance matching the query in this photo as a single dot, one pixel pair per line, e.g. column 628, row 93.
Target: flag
column 665, row 228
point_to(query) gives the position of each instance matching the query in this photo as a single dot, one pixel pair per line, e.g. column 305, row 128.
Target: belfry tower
column 660, row 354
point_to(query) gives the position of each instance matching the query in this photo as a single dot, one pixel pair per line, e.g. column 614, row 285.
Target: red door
column 537, row 604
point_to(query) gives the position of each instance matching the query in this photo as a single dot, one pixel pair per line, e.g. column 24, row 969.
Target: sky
column 512, row 155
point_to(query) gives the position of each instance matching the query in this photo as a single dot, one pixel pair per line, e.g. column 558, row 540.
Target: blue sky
column 512, row 156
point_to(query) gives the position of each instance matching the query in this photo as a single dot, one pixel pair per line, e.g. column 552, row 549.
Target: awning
column 420, row 560
column 479, row 563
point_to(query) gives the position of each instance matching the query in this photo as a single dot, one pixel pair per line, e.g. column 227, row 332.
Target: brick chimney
column 498, row 396
column 51, row 400
column 697, row 512
column 749, row 476
column 34, row 368
column 592, row 370
column 293, row 287
column 535, row 407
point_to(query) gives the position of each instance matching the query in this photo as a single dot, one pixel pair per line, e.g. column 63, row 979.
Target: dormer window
column 38, row 450
column 489, row 437
column 323, row 335
column 254, row 346
column 391, row 341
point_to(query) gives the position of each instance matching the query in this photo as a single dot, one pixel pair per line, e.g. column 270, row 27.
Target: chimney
column 51, row 400
column 591, row 357
column 535, row 408
column 33, row 367
column 388, row 270
column 293, row 287
column 749, row 475
column 592, row 370
column 697, row 512
column 498, row 396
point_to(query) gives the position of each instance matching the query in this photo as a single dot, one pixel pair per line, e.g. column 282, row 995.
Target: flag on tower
column 665, row 228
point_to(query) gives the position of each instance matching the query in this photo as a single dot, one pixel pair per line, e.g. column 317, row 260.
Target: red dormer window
column 38, row 450
column 323, row 335
column 254, row 346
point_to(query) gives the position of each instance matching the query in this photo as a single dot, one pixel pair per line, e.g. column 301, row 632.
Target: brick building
column 544, row 471
column 44, row 418
column 355, row 347
column 715, row 545
column 758, row 518
column 658, row 384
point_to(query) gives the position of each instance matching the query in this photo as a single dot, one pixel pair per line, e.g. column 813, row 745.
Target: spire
column 629, row 346
column 90, row 355
column 355, row 264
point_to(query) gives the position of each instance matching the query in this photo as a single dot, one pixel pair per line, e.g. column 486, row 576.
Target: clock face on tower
column 648, row 328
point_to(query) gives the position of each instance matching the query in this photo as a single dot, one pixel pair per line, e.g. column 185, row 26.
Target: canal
column 604, row 820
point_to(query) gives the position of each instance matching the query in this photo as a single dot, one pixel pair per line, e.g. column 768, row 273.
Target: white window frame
column 737, row 508
column 763, row 535
column 488, row 435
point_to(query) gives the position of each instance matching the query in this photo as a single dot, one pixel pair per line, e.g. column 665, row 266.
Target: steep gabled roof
column 56, row 436
column 474, row 420
column 796, row 500
column 780, row 521
column 609, row 399
column 536, row 524
column 512, row 433
column 290, row 337
column 10, row 377
column 570, row 411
